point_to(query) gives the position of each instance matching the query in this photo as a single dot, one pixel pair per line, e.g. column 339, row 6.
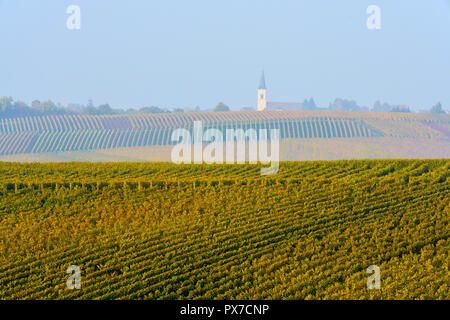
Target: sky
column 178, row 53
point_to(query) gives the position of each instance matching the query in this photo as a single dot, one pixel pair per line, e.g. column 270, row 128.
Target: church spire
column 262, row 82
column 262, row 102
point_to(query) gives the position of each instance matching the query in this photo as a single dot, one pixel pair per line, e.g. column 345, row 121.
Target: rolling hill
column 306, row 135
column 162, row 231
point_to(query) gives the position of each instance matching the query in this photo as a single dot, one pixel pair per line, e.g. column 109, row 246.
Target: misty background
column 198, row 53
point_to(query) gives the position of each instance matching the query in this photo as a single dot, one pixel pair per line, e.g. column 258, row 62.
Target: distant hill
column 91, row 137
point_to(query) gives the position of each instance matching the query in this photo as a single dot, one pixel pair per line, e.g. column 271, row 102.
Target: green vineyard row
column 186, row 232
column 58, row 141
column 143, row 121
column 43, row 134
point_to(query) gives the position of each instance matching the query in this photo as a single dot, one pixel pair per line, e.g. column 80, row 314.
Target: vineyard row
column 19, row 142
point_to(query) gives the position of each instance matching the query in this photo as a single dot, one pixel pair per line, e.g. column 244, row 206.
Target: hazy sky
column 171, row 53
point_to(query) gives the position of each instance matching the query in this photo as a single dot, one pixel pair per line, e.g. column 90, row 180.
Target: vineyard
column 65, row 133
column 162, row 231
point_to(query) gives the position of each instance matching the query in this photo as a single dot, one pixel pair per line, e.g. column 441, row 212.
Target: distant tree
column 437, row 108
column 386, row 107
column 6, row 104
column 91, row 110
column 379, row 107
column 104, row 109
column 179, row 110
column 35, row 103
column 151, row 109
column 20, row 105
column 21, row 109
column 11, row 108
column 376, row 105
column 305, row 104
column 48, row 106
column 400, row 109
column 309, row 104
column 75, row 107
column 344, row 105
column 221, row 107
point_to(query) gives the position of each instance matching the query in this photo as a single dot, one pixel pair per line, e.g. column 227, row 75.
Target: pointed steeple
column 262, row 82
column 262, row 102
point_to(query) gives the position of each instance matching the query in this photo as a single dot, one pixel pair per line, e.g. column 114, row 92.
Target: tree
column 5, row 103
column 221, row 107
column 378, row 107
column 105, row 109
column 386, row 107
column 48, row 106
column 35, row 103
column 400, row 108
column 312, row 104
column 344, row 105
column 151, row 109
column 90, row 110
column 309, row 104
column 437, row 108
column 20, row 105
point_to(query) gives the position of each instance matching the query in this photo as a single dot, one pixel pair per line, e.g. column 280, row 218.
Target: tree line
column 15, row 108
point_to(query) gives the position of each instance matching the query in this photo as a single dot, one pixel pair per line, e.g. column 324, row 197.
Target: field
column 111, row 137
column 162, row 231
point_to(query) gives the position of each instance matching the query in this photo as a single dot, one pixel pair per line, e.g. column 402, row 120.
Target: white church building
column 264, row 105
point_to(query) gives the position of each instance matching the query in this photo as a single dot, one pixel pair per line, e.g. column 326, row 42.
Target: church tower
column 262, row 98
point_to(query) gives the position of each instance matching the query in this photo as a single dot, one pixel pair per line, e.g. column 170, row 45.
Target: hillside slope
column 161, row 231
column 110, row 138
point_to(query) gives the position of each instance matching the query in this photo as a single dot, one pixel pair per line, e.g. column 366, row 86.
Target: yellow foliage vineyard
column 162, row 231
